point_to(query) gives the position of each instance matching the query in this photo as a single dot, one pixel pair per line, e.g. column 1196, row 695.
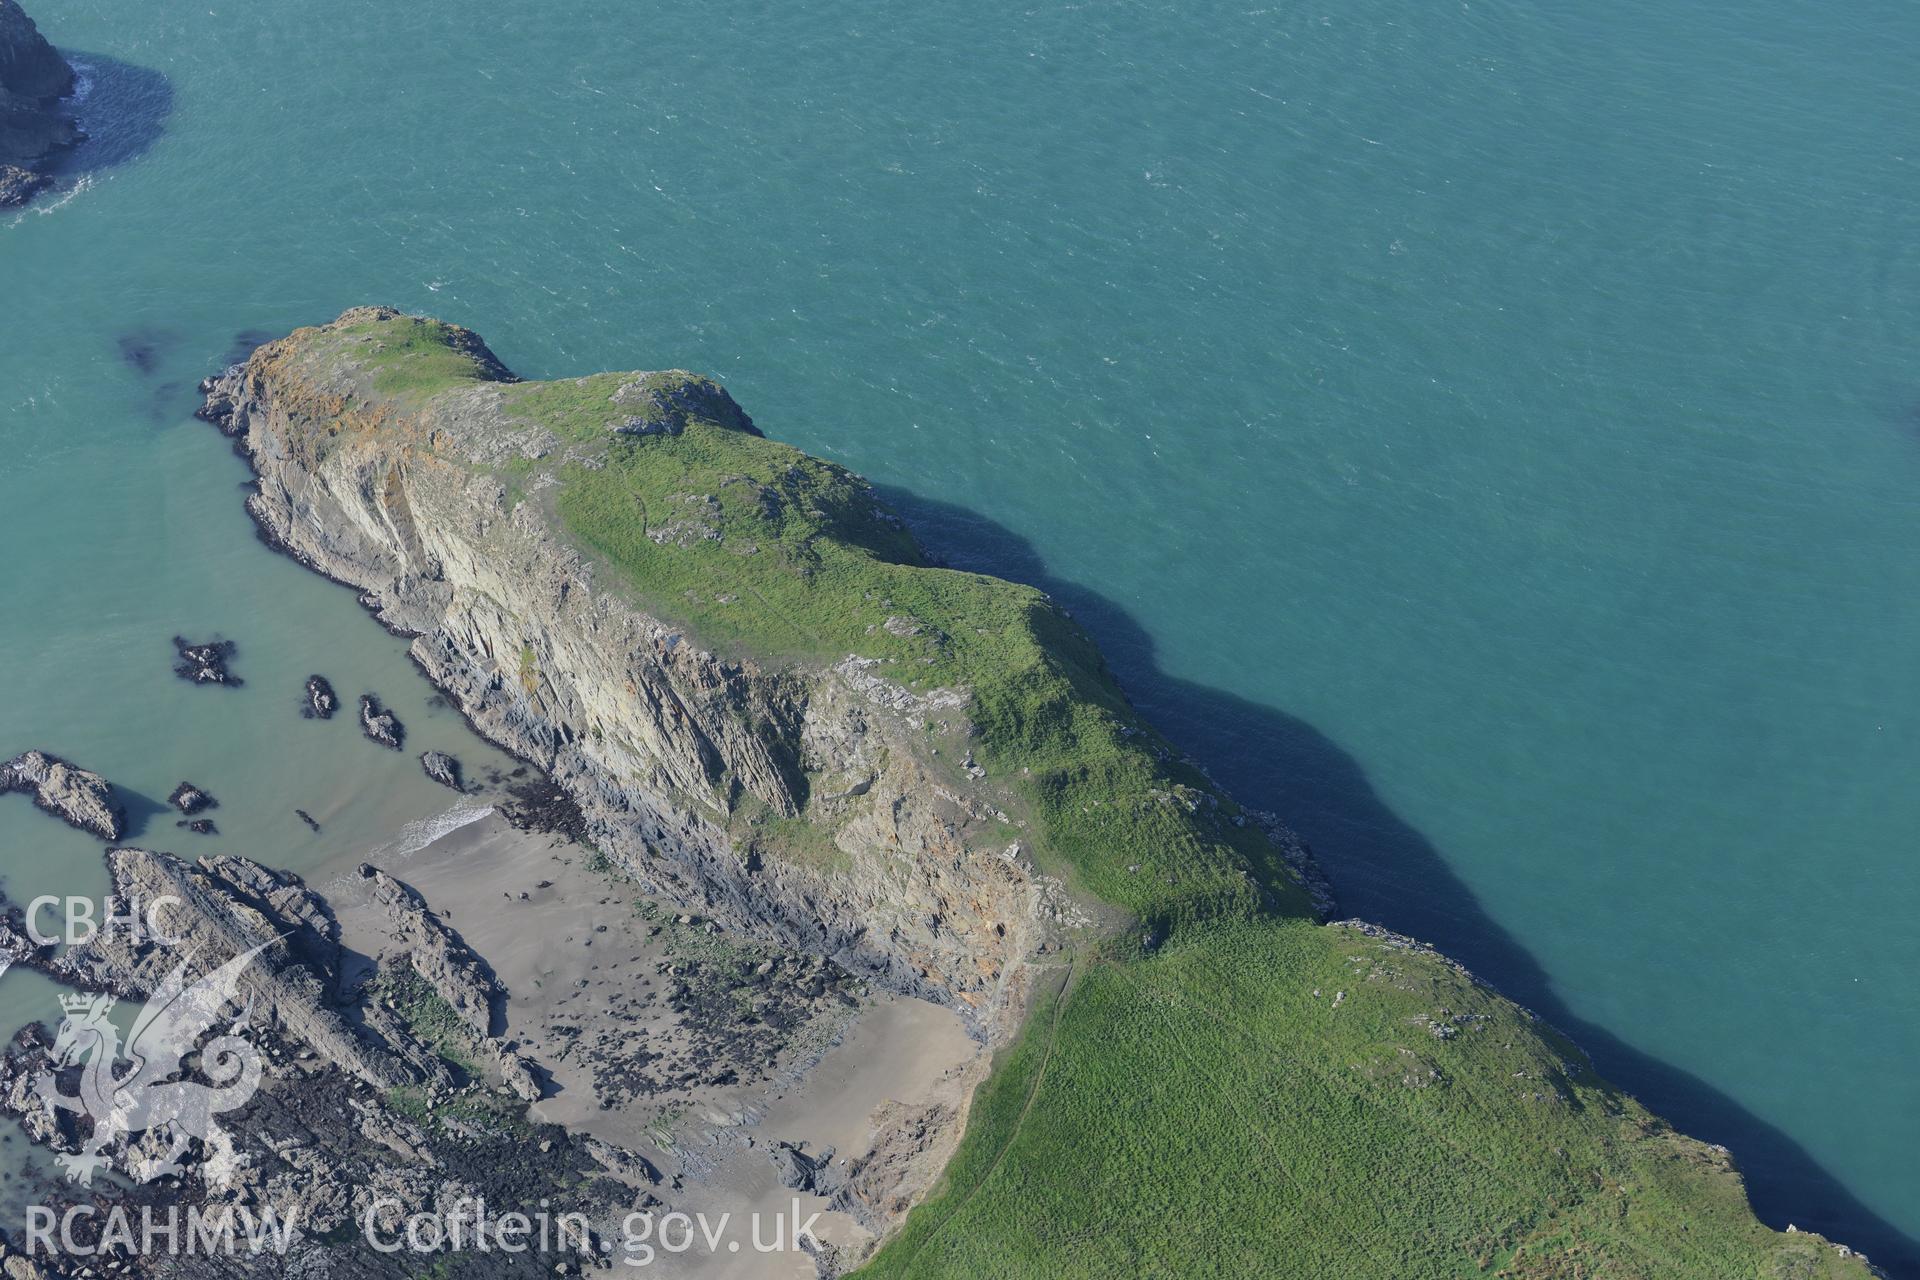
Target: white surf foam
column 422, row 832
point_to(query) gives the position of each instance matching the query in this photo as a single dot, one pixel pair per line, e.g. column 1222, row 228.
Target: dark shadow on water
column 122, row 109
column 142, row 812
column 1386, row 871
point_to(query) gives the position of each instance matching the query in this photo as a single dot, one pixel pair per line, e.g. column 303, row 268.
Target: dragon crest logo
column 133, row 1087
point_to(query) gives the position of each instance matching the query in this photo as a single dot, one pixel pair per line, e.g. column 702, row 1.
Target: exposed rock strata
column 437, row 954
column 353, row 1107
column 659, row 741
column 222, row 907
column 78, row 797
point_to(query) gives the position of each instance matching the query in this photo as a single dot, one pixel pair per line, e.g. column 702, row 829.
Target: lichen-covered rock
column 76, row 796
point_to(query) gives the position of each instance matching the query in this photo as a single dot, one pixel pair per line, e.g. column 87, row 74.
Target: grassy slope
column 1228, row 1089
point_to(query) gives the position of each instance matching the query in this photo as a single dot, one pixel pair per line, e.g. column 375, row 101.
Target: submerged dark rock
column 380, row 724
column 78, row 797
column 190, row 799
column 321, row 701
column 245, row 343
column 205, row 663
column 141, row 350
column 33, row 79
column 305, row 817
column 199, row 827
column 443, row 769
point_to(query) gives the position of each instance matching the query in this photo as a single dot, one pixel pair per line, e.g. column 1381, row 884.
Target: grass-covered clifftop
column 1215, row 1085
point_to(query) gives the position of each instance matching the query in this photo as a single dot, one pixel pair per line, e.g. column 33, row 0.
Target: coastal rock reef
column 767, row 704
column 79, row 797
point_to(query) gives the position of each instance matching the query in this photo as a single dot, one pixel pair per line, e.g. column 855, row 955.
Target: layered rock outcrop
column 761, row 698
column 33, row 79
column 689, row 766
column 78, row 797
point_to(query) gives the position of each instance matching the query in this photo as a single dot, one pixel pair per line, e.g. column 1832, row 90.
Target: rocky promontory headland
column 33, row 80
column 769, row 706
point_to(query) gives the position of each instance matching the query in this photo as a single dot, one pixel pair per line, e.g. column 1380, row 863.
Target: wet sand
column 592, row 968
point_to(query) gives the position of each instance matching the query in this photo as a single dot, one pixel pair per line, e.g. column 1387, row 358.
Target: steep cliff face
column 29, row 66
column 765, row 701
column 33, row 77
column 815, row 802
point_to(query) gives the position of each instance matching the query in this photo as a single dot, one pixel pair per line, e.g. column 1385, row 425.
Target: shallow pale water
column 1487, row 433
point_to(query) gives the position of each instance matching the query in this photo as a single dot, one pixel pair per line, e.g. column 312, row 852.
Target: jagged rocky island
column 756, row 699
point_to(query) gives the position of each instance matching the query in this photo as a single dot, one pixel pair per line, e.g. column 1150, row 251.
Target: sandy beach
column 663, row 1034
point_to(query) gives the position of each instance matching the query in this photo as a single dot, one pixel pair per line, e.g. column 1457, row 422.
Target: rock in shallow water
column 205, row 663
column 190, row 799
column 380, row 724
column 321, row 702
column 443, row 769
column 77, row 797
column 18, row 185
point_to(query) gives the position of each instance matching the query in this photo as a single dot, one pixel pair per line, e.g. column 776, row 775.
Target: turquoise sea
column 1487, row 433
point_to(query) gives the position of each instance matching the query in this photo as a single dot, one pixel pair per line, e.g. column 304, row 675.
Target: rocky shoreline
column 645, row 731
column 398, row 1064
column 672, row 968
column 34, row 79
column 78, row 797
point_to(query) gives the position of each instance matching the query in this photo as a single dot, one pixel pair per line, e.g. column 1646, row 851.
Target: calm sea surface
column 1487, row 433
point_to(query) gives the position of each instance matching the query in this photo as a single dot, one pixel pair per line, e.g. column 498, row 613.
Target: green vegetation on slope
column 760, row 549
column 1279, row 1098
column 1228, row 1089
column 413, row 356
